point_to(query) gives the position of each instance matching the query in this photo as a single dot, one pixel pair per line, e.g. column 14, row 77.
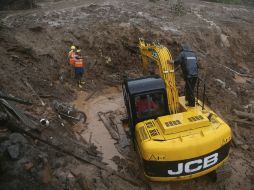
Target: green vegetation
column 178, row 8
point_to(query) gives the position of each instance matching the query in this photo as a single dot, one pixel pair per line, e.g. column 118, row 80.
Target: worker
column 145, row 104
column 79, row 68
column 188, row 61
column 71, row 55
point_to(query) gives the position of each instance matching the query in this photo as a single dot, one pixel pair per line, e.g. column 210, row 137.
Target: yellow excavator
column 174, row 141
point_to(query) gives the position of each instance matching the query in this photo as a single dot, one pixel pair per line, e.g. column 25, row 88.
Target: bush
column 178, row 8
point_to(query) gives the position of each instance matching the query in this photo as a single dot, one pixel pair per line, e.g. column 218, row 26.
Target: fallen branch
column 123, row 142
column 47, row 96
column 222, row 83
column 243, row 121
column 90, row 95
column 29, row 85
column 11, row 109
column 21, row 101
column 240, row 74
column 244, row 114
column 108, row 125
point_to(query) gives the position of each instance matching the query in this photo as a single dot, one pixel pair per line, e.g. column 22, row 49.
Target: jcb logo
column 195, row 165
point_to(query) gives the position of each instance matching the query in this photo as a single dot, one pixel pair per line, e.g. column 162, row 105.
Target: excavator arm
column 161, row 56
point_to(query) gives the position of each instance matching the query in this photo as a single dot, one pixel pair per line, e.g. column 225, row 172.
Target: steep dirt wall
column 17, row 4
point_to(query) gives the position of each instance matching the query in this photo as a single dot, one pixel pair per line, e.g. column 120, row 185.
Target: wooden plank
column 244, row 114
column 108, row 125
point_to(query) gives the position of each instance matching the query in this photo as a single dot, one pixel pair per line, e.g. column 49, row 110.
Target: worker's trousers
column 189, row 90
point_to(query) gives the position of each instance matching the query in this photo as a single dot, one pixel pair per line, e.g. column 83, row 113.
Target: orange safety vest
column 72, row 57
column 79, row 63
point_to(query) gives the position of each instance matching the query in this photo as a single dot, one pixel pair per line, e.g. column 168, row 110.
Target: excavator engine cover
column 182, row 146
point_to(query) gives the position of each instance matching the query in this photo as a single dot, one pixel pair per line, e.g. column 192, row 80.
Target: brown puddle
column 103, row 101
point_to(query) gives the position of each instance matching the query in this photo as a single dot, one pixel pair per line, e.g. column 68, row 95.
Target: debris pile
column 114, row 125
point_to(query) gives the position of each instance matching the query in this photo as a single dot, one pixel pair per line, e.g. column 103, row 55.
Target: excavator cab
column 149, row 105
column 145, row 98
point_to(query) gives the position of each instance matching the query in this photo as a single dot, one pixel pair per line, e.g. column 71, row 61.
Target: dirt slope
column 34, row 45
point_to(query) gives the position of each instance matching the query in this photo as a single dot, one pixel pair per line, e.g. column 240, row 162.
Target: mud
column 33, row 49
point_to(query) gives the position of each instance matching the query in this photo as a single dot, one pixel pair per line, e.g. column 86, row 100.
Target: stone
column 17, row 138
column 252, row 164
column 245, row 147
column 13, row 151
column 28, row 166
column 224, row 40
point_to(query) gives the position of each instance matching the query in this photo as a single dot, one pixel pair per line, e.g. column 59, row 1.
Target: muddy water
column 106, row 100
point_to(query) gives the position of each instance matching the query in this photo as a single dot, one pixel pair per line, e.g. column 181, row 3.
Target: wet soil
column 109, row 99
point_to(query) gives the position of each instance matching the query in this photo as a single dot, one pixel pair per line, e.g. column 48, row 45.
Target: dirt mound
column 17, row 4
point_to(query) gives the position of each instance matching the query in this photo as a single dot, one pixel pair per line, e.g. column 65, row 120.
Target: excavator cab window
column 150, row 105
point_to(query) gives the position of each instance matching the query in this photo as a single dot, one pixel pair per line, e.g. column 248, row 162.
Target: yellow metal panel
column 161, row 56
column 187, row 177
column 183, row 144
column 187, row 147
column 182, row 122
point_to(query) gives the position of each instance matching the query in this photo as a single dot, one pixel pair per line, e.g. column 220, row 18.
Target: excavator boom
column 161, row 56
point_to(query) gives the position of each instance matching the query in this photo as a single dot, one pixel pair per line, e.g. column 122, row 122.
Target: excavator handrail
column 204, row 96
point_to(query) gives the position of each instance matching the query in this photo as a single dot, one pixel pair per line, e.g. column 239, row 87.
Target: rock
column 221, row 83
column 252, row 164
column 116, row 159
column 4, row 134
column 224, row 40
column 43, row 158
column 245, row 147
column 36, row 28
column 17, row 138
column 3, row 116
column 60, row 175
column 13, row 151
column 71, row 178
column 46, row 174
column 4, row 145
column 59, row 162
column 28, row 166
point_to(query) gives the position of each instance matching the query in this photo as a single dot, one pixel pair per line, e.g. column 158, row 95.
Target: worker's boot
column 79, row 84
